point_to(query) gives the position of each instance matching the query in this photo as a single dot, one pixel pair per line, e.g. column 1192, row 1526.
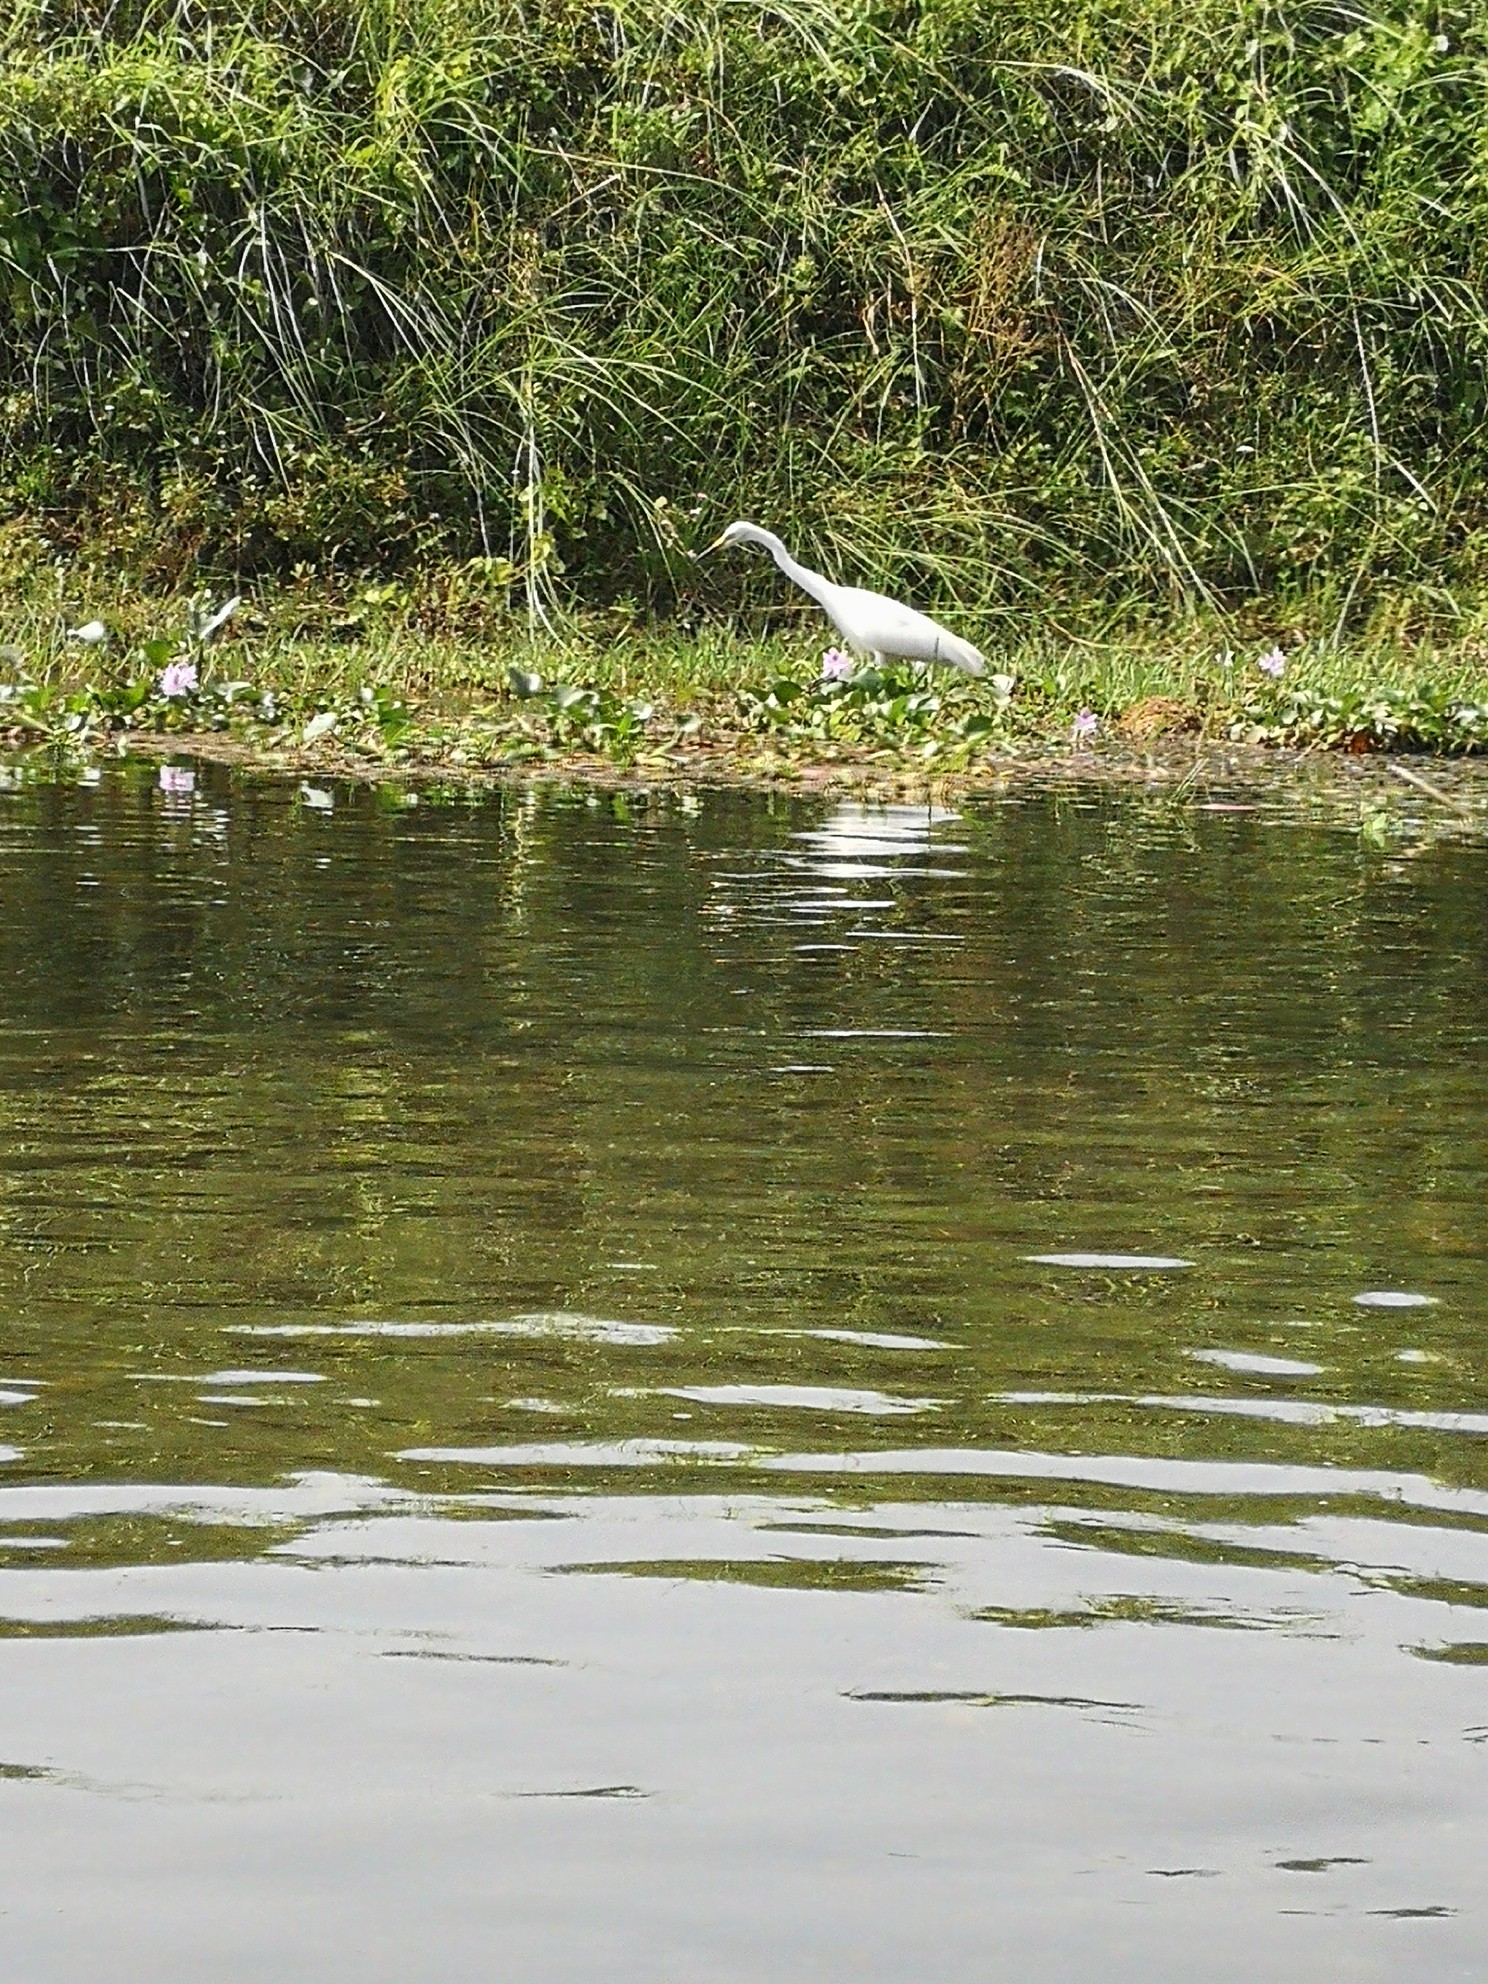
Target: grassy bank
column 1114, row 311
column 357, row 681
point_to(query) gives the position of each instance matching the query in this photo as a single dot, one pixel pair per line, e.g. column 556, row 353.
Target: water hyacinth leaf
column 159, row 651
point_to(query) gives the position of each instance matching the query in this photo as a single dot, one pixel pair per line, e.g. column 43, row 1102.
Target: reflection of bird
column 867, row 621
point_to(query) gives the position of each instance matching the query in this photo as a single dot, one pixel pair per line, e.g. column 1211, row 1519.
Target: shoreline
column 244, row 684
column 1442, row 786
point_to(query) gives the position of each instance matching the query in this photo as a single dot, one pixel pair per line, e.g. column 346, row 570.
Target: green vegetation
column 661, row 700
column 1131, row 330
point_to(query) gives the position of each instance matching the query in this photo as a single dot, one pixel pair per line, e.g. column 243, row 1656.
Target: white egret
column 883, row 628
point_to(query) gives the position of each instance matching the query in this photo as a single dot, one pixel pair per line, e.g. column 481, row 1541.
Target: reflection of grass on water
column 1444, row 1591
column 774, row 1573
column 1133, row 1608
column 123, row 1625
column 1183, row 1545
column 883, row 1532
column 104, row 1542
column 1455, row 1653
column 977, row 1698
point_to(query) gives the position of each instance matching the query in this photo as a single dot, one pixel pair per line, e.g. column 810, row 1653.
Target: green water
column 536, row 1441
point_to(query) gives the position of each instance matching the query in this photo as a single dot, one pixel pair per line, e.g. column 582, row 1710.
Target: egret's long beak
column 717, row 545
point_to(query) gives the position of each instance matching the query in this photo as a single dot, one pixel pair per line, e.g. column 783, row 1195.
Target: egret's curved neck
column 805, row 578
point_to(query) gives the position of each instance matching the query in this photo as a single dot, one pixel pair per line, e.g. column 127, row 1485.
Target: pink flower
column 1086, row 724
column 1273, row 663
column 179, row 679
column 836, row 666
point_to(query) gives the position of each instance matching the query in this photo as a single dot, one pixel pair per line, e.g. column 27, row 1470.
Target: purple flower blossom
column 836, row 665
column 179, row 679
column 1086, row 724
column 1273, row 663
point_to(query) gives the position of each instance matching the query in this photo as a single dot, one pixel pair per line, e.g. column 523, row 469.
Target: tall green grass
column 1112, row 308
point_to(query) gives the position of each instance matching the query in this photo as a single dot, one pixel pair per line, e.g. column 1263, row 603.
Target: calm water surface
column 738, row 1390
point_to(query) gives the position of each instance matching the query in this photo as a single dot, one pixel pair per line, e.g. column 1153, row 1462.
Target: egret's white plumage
column 884, row 628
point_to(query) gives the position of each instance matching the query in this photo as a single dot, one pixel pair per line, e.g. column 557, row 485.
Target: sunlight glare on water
column 766, row 1389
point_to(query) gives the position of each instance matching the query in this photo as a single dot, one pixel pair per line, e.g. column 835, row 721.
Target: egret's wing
column 889, row 627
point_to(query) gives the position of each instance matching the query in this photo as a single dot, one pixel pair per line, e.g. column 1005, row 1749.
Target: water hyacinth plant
column 164, row 683
column 1363, row 718
column 887, row 710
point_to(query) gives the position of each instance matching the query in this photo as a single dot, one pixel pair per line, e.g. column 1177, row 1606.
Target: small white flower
column 90, row 633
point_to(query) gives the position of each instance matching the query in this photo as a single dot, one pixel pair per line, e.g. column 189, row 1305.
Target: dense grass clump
column 1057, row 309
